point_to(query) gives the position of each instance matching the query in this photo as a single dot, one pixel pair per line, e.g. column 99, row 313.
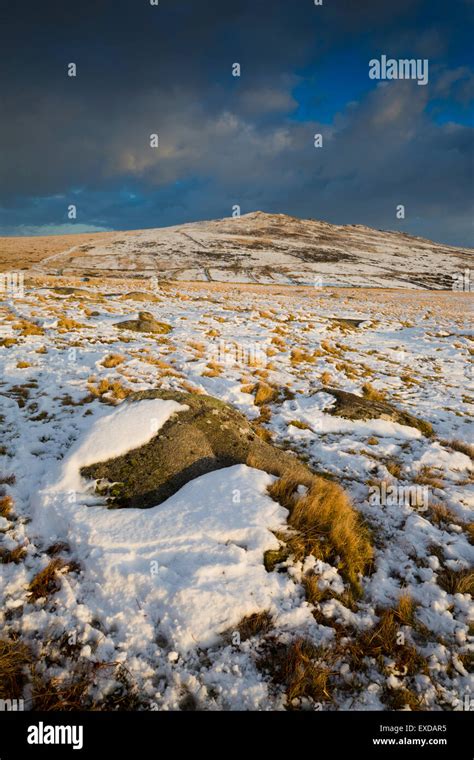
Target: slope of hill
column 265, row 248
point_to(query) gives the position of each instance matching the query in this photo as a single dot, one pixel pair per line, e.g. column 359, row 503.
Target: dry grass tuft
column 113, row 360
column 326, row 526
column 400, row 699
column 265, row 394
column 252, row 625
column 463, row 448
column 75, row 691
column 469, row 529
column 385, row 642
column 441, row 515
column 427, row 477
column 66, row 323
column 107, row 390
column 299, row 355
column 372, row 393
column 326, row 378
column 315, row 594
column 395, row 469
column 213, row 370
column 279, row 342
column 8, row 342
column 47, row 581
column 300, row 668
column 15, row 555
column 456, row 581
column 6, row 506
column 263, row 433
column 300, row 425
column 28, row 328
column 14, row 657
column 189, row 388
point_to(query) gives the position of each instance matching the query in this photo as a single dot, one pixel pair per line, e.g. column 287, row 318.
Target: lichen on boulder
column 353, row 407
column 146, row 323
column 208, row 436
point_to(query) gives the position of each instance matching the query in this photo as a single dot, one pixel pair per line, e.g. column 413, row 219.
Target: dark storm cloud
column 223, row 141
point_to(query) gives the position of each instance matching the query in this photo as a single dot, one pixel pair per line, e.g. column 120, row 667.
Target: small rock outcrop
column 208, row 436
column 353, row 407
column 145, row 323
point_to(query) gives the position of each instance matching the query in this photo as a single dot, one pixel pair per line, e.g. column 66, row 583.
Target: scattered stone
column 208, row 436
column 353, row 407
column 146, row 323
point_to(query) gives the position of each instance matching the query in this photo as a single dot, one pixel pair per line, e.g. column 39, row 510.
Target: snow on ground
column 158, row 589
column 191, row 567
column 265, row 248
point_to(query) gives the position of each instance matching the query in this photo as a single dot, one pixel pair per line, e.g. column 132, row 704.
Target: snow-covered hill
column 269, row 248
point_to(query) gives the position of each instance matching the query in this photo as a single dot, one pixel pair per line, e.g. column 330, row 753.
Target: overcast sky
column 225, row 140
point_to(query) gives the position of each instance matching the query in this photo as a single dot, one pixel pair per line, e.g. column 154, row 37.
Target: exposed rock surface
column 209, row 436
column 146, row 323
column 353, row 407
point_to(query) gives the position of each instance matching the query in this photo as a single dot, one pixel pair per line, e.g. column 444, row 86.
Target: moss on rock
column 208, row 436
column 145, row 323
column 353, row 407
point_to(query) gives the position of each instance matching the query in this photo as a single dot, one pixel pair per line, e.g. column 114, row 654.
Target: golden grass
column 300, row 668
column 113, row 360
column 213, row 370
column 252, row 625
column 14, row 657
column 461, row 446
column 12, row 555
column 198, row 347
column 261, row 373
column 372, row 393
column 469, row 529
column 315, row 594
column 395, row 469
column 409, row 380
column 75, row 691
column 28, row 328
column 383, row 642
column 23, row 365
column 189, row 388
column 327, row 346
column 265, row 393
column 263, row 433
column 326, row 378
column 441, row 515
column 6, row 506
column 47, row 581
column 66, row 323
column 400, row 699
column 299, row 355
column 456, row 581
column 300, row 425
column 427, row 477
column 8, row 342
column 114, row 390
column 279, row 342
column 326, row 525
